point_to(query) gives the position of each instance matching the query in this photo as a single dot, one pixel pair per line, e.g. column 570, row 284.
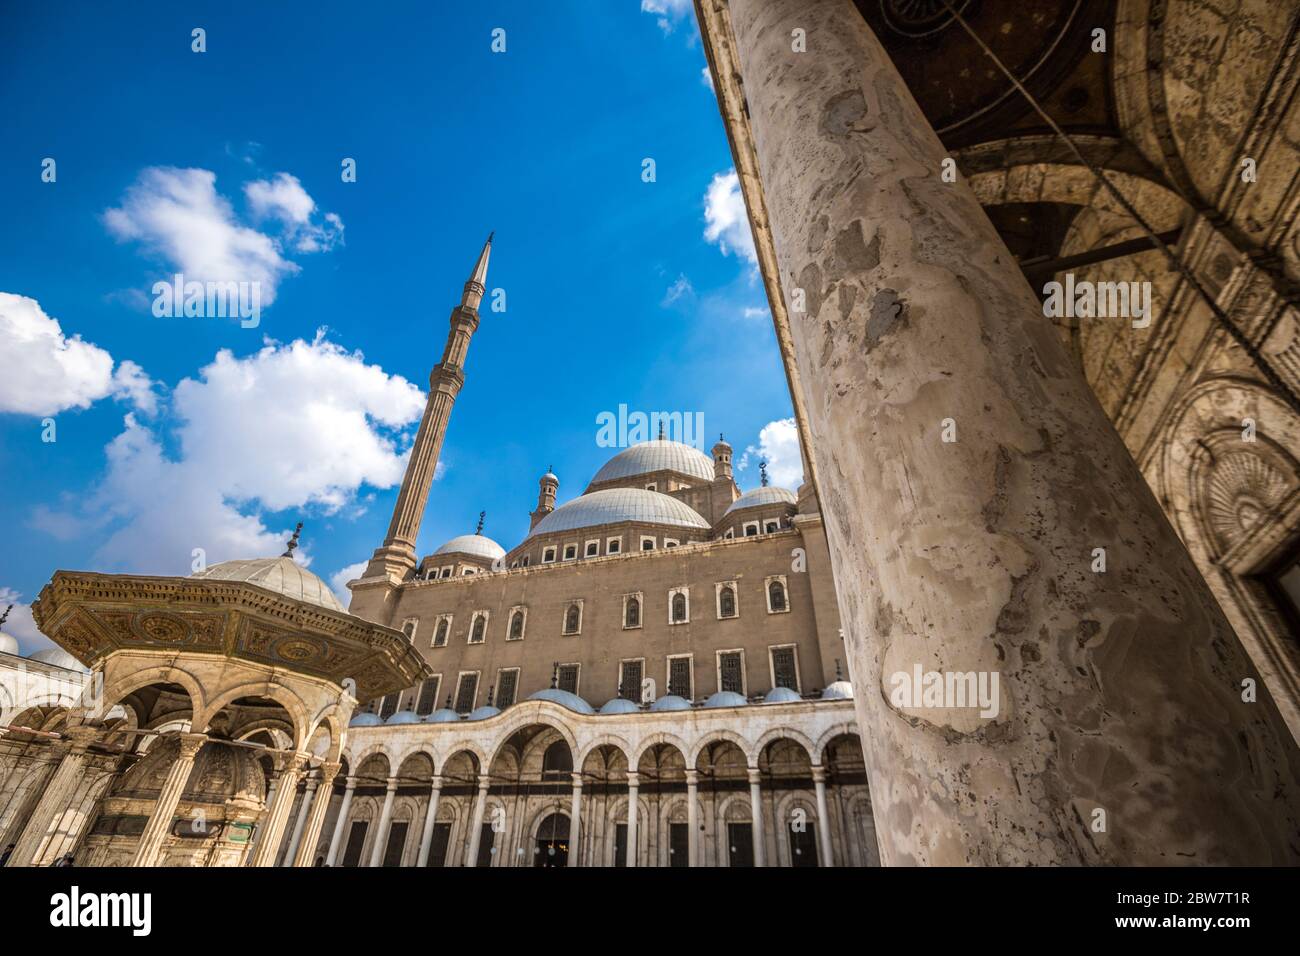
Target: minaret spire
column 396, row 558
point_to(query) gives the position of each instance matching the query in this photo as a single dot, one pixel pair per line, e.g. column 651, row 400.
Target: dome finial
column 491, row 690
column 293, row 542
column 661, row 429
column 481, row 516
column 555, row 675
column 448, row 704
column 762, row 472
column 839, row 675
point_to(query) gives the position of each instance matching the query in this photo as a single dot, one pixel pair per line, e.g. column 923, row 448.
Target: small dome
column 562, row 697
column 443, row 716
column 762, row 496
column 726, row 698
column 671, row 702
column 365, row 720
column 483, row 713
column 782, row 695
column 8, row 644
column 480, row 546
column 619, row 705
column 58, row 657
column 282, row 575
column 654, row 456
column 838, row 690
column 614, row 505
column 404, row 717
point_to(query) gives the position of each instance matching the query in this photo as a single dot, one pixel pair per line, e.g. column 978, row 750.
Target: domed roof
column 478, row 545
column 365, row 720
column 404, row 717
column 619, row 504
column 619, row 705
column 8, row 644
column 483, row 713
column 768, row 495
column 838, row 690
column 444, row 715
column 562, row 697
column 653, row 456
column 726, row 698
column 58, row 657
column 671, row 702
column 282, row 575
column 782, row 695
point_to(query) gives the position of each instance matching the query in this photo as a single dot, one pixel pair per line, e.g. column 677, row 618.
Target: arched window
column 517, row 625
column 440, row 638
column 572, row 619
column 727, row 602
column 632, row 617
column 679, row 607
column 557, row 762
column 776, row 596
column 480, row 629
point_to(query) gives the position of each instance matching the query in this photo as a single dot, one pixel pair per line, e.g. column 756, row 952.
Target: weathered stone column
column 164, row 811
column 385, row 821
column 823, row 816
column 430, row 821
column 277, row 815
column 340, row 825
column 633, row 817
column 756, row 815
column 319, row 808
column 692, row 818
column 300, row 821
column 56, row 796
column 1120, row 734
column 476, row 825
column 575, row 825
column 22, row 793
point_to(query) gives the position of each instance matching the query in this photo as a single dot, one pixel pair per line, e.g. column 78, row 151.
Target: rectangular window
column 620, row 845
column 409, row 626
column 446, row 572
column 740, row 836
column 803, row 846
column 751, row 529
column 771, row 527
column 613, row 545
column 507, row 685
column 670, row 543
column 396, row 843
column 731, row 672
column 356, row 840
column 629, row 680
column 438, row 849
column 784, row 671
column 593, row 549
column 647, row 544
column 486, row 837
column 427, row 700
column 548, row 555
column 570, row 552
column 569, row 677
column 679, row 677
column 466, row 692
column 389, row 706
column 679, row 847
column 525, row 561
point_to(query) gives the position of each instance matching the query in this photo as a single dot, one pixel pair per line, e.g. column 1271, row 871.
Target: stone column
column 756, row 817
column 277, row 815
column 56, row 796
column 575, row 825
column 692, row 818
column 164, row 811
column 300, row 821
column 319, row 808
column 430, row 821
column 22, row 792
column 476, row 824
column 910, row 323
column 385, row 820
column 633, row 817
column 823, row 817
column 340, row 825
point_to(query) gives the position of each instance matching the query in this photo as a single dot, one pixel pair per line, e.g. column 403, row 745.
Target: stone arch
column 846, row 729
column 660, row 737
column 783, row 810
column 523, row 721
column 118, row 688
column 293, row 705
column 603, row 740
column 470, row 749
column 717, row 736
column 781, row 733
column 357, row 761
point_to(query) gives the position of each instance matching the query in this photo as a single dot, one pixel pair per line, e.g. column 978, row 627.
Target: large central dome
column 282, row 575
column 614, row 505
column 652, row 456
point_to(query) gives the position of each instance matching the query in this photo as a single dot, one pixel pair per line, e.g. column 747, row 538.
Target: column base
column 394, row 561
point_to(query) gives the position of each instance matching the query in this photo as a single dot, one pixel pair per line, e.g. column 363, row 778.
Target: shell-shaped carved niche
column 221, row 771
column 1243, row 489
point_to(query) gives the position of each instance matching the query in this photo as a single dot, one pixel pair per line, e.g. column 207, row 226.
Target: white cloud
column 706, row 77
column 752, row 312
column 681, row 289
column 302, row 425
column 21, row 625
column 778, row 445
column 340, row 578
column 43, row 371
column 179, row 215
column 725, row 217
column 668, row 13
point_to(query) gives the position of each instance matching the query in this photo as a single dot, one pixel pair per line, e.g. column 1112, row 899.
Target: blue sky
column 180, row 433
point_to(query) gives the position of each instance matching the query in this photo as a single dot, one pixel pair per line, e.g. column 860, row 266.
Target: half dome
column 782, row 695
column 562, row 697
column 444, row 715
column 671, row 702
column 480, row 546
column 404, row 717
column 619, row 705
column 615, row 505
column 8, row 644
column 483, row 713
column 58, row 657
column 838, row 690
column 770, row 495
column 282, row 575
column 652, row 456
column 365, row 720
column 726, row 698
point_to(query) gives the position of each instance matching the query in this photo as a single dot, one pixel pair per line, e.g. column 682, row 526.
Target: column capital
column 287, row 762
column 484, row 781
column 391, row 784
column 81, row 737
column 351, row 783
column 692, row 778
column 577, row 780
column 328, row 771
column 191, row 744
column 818, row 773
column 755, row 776
column 633, row 778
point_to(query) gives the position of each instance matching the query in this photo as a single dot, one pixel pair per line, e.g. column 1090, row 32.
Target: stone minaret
column 396, row 557
column 547, row 487
column 721, row 460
